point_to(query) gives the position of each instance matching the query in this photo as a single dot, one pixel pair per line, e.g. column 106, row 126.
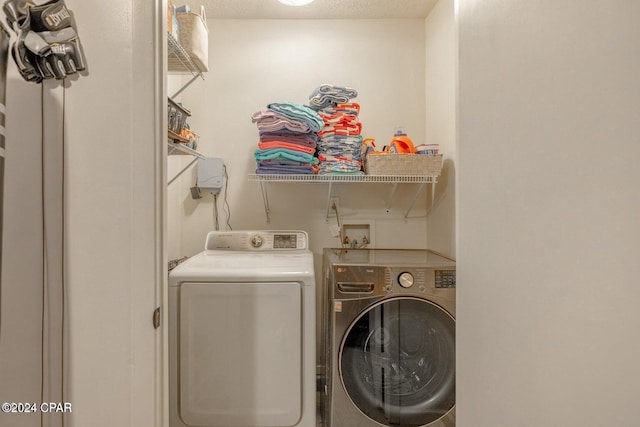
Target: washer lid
column 388, row 257
column 249, row 256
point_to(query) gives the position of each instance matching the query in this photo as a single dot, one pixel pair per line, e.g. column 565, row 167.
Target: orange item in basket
column 402, row 144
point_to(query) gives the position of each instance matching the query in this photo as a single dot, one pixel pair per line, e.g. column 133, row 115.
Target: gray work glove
column 48, row 45
column 17, row 12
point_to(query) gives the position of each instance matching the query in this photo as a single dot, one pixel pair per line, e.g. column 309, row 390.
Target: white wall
column 548, row 236
column 256, row 62
column 440, row 73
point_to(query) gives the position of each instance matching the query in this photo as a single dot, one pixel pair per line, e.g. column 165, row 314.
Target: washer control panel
column 359, row 281
column 258, row 240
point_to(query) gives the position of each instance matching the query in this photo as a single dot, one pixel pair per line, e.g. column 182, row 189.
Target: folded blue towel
column 283, row 153
column 298, row 112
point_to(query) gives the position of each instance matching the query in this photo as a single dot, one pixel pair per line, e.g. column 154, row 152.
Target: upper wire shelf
column 420, row 179
column 178, row 60
column 265, row 179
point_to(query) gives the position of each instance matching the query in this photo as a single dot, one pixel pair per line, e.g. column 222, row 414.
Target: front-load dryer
column 390, row 338
column 242, row 333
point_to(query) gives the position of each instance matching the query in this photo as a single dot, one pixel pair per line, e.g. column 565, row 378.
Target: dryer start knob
column 406, row 279
column 257, row 241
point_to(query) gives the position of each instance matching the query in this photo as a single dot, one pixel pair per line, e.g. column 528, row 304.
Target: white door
column 548, row 202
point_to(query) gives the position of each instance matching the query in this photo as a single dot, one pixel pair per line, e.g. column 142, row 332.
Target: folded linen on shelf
column 283, row 166
column 347, row 108
column 332, row 164
column 270, row 121
column 281, row 162
column 346, row 130
column 326, row 95
column 340, row 140
column 338, row 118
column 298, row 112
column 341, row 146
column 307, row 139
column 289, row 146
column 283, row 153
column 329, row 172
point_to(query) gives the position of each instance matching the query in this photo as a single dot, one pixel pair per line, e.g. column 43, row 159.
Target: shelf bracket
column 415, row 198
column 392, row 195
column 326, row 216
column 265, row 200
column 183, row 170
column 186, row 85
column 433, row 197
column 180, row 149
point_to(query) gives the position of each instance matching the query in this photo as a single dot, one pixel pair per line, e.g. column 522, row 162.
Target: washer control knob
column 257, row 241
column 406, row 279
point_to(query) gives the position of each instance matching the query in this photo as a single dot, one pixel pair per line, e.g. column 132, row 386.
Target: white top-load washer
column 242, row 333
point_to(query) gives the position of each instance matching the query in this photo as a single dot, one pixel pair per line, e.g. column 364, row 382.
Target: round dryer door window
column 397, row 362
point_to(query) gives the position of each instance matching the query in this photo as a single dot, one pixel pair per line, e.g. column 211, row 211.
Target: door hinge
column 156, row 318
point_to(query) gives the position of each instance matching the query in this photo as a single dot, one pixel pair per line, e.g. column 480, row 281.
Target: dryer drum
column 397, row 362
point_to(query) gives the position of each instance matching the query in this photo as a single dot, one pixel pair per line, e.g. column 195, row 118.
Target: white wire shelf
column 179, row 61
column 178, row 148
column 395, row 180
column 389, row 179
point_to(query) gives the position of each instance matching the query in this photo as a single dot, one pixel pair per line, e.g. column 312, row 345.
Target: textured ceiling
column 319, row 9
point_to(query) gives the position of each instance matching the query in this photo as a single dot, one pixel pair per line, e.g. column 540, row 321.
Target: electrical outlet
column 334, row 230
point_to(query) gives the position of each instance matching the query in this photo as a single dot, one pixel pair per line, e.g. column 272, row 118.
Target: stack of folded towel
column 339, row 148
column 328, row 95
column 288, row 139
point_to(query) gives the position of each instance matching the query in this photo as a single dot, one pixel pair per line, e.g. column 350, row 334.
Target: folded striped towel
column 327, row 95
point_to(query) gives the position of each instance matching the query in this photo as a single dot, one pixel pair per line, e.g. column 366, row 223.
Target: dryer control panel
column 257, row 240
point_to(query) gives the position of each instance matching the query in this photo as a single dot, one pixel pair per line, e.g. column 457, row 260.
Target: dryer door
column 397, row 362
column 240, row 354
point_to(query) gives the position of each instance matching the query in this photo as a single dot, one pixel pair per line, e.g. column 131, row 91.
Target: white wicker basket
column 403, row 164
